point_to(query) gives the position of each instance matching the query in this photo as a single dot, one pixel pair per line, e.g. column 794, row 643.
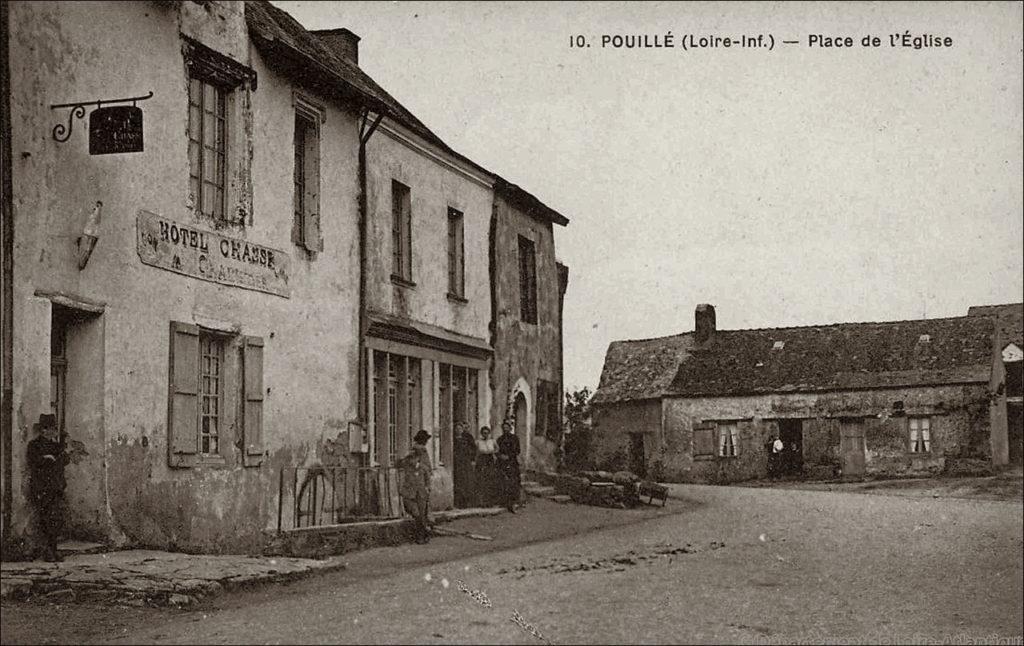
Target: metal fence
column 318, row 496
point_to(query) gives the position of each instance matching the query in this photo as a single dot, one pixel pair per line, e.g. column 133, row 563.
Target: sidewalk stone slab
column 152, row 576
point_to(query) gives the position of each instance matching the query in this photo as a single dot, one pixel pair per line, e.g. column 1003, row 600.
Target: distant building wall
column 959, row 428
column 526, row 352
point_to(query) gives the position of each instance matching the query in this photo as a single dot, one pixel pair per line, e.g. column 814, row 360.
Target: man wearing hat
column 46, row 460
column 415, row 484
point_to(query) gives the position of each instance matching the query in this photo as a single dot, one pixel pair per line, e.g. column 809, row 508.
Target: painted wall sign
column 115, row 129
column 189, row 250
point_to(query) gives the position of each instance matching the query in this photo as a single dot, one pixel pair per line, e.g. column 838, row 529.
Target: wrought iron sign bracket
column 61, row 132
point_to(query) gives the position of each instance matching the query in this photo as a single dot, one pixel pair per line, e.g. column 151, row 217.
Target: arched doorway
column 522, row 416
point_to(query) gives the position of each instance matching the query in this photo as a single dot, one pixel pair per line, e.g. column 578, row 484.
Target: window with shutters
column 456, row 256
column 704, row 441
column 306, row 230
column 401, row 233
column 527, row 281
column 920, row 434
column 203, row 366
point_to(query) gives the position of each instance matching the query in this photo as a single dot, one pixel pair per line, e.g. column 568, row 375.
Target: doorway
column 791, row 432
column 637, row 462
column 851, row 446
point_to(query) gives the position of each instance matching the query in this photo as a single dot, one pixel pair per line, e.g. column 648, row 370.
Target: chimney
column 704, row 322
column 342, row 42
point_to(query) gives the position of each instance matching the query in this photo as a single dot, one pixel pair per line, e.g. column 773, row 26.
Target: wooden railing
column 319, row 496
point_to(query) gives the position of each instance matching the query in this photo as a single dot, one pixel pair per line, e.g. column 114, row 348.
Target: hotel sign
column 207, row 255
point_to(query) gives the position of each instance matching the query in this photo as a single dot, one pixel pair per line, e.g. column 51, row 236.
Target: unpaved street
column 737, row 565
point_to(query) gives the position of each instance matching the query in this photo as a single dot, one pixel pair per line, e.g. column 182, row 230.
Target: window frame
column 215, row 398
column 527, row 281
column 307, row 231
column 401, row 234
column 198, row 183
column 456, row 254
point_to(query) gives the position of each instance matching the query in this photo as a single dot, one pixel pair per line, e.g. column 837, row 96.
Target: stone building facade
column 855, row 399
column 238, row 297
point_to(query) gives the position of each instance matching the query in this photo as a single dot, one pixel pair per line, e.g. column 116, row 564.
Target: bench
column 654, row 490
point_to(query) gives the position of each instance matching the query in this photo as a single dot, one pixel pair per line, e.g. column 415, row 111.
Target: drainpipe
column 6, row 276
column 364, row 136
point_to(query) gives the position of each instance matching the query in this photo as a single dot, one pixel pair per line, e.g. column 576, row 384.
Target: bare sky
column 795, row 186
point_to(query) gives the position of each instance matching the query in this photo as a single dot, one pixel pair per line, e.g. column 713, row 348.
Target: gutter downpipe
column 364, row 137
column 6, row 278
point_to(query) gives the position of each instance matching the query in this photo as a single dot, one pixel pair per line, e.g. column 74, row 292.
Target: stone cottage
column 846, row 399
column 235, row 257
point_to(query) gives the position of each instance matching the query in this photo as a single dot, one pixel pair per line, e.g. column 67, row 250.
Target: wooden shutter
column 311, row 235
column 252, row 400
column 183, row 396
column 704, row 440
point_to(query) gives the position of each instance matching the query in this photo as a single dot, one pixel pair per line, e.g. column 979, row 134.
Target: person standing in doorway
column 777, row 455
column 415, row 484
column 486, row 478
column 46, row 461
column 465, row 462
column 508, row 465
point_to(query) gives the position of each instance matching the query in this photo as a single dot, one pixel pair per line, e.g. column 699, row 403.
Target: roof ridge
column 653, row 338
column 848, row 324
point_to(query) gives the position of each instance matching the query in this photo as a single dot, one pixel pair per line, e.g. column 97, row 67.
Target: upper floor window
column 306, row 176
column 920, row 434
column 456, row 254
column 401, row 232
column 207, row 146
column 216, row 123
column 527, row 281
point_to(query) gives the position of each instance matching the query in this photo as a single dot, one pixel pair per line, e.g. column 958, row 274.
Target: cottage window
column 728, row 440
column 527, row 281
column 199, row 399
column 306, row 226
column 920, row 434
column 401, row 232
column 456, row 254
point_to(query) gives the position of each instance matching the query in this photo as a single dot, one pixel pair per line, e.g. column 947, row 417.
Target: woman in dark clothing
column 486, row 477
column 508, row 465
column 465, row 460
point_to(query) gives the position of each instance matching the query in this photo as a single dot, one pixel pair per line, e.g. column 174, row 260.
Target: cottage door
column 851, row 446
column 637, row 461
column 791, row 432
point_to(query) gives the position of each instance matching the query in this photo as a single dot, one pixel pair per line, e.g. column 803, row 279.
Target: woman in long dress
column 508, row 465
column 486, row 448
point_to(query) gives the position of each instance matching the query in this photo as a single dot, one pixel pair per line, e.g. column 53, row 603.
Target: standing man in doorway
column 46, row 461
column 415, row 485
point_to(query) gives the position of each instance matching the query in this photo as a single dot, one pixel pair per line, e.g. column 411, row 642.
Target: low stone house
column 901, row 397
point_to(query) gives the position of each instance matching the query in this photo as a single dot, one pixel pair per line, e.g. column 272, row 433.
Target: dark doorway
column 791, row 432
column 1015, row 431
column 637, row 463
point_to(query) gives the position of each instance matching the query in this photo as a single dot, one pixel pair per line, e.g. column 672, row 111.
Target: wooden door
column 851, row 446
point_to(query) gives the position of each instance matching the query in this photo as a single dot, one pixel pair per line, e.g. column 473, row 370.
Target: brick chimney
column 341, row 41
column 704, row 322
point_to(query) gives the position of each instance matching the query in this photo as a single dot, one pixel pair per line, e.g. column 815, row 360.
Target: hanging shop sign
column 192, row 251
column 112, row 129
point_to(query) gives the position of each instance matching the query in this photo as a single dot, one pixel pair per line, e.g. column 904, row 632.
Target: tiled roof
column 640, row 369
column 321, row 67
column 838, row 357
column 1009, row 321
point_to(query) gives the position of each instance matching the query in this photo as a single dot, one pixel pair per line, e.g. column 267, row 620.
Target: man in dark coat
column 46, row 460
column 508, row 464
column 465, row 463
column 415, row 484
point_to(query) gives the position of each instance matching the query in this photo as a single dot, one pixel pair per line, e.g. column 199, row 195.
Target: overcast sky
column 796, row 186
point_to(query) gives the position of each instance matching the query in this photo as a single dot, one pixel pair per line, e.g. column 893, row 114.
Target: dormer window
column 778, row 345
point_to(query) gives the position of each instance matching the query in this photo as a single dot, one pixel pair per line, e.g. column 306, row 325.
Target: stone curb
column 147, row 589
